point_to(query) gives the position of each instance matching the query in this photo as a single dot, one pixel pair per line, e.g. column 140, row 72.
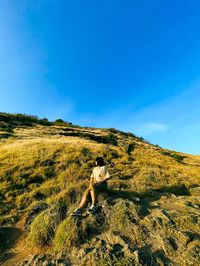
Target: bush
column 130, row 148
column 113, row 130
column 28, row 120
column 111, row 138
column 165, row 153
column 114, row 154
column 66, row 235
column 72, row 232
column 6, row 129
column 177, row 157
column 45, row 122
column 41, row 231
column 5, row 136
column 60, row 122
column 127, row 134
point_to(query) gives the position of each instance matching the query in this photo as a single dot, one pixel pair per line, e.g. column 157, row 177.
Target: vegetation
column 178, row 157
column 9, row 121
column 147, row 216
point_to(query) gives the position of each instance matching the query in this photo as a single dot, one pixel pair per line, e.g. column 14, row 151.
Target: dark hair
column 100, row 161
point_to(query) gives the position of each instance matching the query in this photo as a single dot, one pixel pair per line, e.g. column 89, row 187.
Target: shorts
column 98, row 188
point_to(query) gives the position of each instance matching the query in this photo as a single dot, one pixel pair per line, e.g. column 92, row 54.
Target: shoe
column 77, row 212
column 92, row 209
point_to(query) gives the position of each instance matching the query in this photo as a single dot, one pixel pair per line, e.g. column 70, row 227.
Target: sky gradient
column 131, row 65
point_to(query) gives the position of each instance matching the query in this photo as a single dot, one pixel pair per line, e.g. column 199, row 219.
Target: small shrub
column 111, row 138
column 5, row 135
column 177, row 157
column 41, row 231
column 59, row 121
column 66, row 235
column 128, row 134
column 6, row 129
column 114, row 154
column 165, row 153
column 44, row 122
column 113, row 130
column 130, row 148
column 73, row 232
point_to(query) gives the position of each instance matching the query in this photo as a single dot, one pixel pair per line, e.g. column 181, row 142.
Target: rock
column 33, row 213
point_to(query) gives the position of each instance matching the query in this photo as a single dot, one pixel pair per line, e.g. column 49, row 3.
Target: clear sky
column 131, row 65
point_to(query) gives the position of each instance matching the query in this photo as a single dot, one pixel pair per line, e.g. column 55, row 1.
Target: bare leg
column 93, row 196
column 83, row 203
column 84, row 199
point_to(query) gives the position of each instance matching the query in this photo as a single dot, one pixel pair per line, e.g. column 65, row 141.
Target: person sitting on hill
column 98, row 184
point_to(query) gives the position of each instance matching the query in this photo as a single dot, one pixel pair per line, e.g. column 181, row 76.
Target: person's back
column 100, row 173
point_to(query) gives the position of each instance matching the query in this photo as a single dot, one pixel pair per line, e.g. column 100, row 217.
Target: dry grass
column 26, row 181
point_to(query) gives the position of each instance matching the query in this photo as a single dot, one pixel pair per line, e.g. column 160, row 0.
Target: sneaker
column 77, row 212
column 92, row 209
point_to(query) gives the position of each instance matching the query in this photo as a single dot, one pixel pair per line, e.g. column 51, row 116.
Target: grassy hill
column 150, row 215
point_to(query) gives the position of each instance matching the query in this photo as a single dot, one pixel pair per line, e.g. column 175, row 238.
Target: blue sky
column 132, row 65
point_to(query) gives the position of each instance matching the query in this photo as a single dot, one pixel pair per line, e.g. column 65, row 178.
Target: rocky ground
column 160, row 236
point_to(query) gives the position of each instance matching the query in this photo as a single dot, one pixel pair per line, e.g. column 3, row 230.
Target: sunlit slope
column 146, row 205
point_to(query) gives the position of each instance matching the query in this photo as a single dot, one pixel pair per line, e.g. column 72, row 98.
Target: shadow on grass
column 8, row 236
column 143, row 199
column 156, row 194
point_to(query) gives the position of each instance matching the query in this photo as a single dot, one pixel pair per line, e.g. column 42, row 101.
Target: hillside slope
column 149, row 216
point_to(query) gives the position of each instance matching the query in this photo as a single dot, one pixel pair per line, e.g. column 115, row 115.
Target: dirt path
column 13, row 245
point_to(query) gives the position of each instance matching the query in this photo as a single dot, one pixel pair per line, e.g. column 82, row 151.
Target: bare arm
column 91, row 180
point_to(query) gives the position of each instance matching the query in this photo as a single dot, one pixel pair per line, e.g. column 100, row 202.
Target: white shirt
column 99, row 173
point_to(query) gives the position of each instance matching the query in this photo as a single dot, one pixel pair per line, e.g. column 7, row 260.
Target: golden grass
column 26, row 182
